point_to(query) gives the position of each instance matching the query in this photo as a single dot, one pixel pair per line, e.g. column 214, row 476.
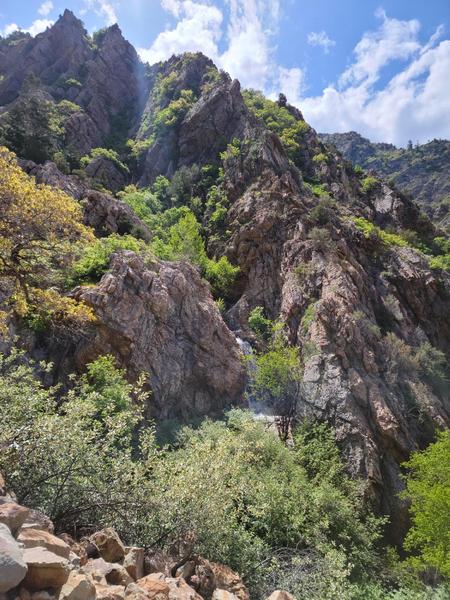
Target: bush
column 428, row 489
column 370, row 230
column 278, row 119
column 72, row 457
column 259, row 324
column 174, row 113
column 106, row 153
column 94, row 262
column 183, row 241
column 368, row 184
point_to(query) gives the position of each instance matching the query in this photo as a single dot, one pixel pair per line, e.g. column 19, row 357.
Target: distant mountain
column 422, row 171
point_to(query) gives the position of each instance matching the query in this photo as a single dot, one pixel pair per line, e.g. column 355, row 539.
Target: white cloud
column 198, row 29
column 320, row 38
column 36, row 27
column 8, row 29
column 413, row 103
column 393, row 40
column 103, row 8
column 291, row 83
column 251, row 25
column 45, row 8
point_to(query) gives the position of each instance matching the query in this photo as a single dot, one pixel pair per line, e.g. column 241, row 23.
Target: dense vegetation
column 279, row 515
column 41, row 232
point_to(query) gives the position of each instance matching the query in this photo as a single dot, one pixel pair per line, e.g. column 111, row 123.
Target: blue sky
column 379, row 67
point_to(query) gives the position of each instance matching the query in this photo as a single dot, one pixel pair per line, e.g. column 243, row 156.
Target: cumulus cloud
column 45, row 8
column 241, row 38
column 36, row 27
column 198, row 29
column 320, row 38
column 414, row 102
column 103, row 8
column 247, row 28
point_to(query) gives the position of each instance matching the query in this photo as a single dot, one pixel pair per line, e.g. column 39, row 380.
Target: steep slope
column 312, row 237
column 421, row 171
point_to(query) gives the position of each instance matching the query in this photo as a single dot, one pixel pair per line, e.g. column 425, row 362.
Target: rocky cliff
column 421, row 170
column 312, row 238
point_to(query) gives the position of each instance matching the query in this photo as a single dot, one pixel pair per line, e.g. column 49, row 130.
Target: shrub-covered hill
column 422, row 171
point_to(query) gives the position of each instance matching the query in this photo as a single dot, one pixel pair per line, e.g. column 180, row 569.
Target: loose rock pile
column 36, row 564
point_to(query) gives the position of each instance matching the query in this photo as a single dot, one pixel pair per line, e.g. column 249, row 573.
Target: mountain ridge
column 311, row 236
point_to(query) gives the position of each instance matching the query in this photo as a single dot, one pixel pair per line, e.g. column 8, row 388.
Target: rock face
column 109, row 545
column 102, row 78
column 161, row 319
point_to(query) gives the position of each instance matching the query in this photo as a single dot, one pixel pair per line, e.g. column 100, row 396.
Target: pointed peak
column 68, row 18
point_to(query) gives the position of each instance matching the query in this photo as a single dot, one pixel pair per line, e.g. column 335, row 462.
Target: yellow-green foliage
column 40, row 227
column 278, row 119
column 428, row 489
column 95, row 258
column 320, row 158
column 174, row 113
column 371, row 230
column 368, row 184
column 106, row 153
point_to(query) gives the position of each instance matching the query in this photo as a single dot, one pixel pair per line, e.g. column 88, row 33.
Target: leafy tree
column 72, row 457
column 428, row 488
column 276, row 382
column 40, row 232
column 183, row 241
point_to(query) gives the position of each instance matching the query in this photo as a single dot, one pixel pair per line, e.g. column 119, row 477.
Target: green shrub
column 107, row 153
column 144, row 202
column 174, row 113
column 308, row 318
column 320, row 158
column 183, row 241
column 440, row 263
column 72, row 456
column 278, row 119
column 368, row 184
column 94, row 262
column 428, row 489
column 371, row 230
column 259, row 324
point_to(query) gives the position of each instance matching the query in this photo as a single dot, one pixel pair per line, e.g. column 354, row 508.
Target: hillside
column 166, row 218
column 420, row 171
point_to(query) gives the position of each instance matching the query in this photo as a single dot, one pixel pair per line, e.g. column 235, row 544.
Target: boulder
column 45, row 569
column 223, row 595
column 109, row 545
column 2, row 486
column 105, row 572
column 37, row 520
column 13, row 515
column 33, row 538
column 109, row 592
column 159, row 587
column 228, row 580
column 12, row 565
column 78, row 587
column 134, row 562
column 161, row 319
column 280, row 595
